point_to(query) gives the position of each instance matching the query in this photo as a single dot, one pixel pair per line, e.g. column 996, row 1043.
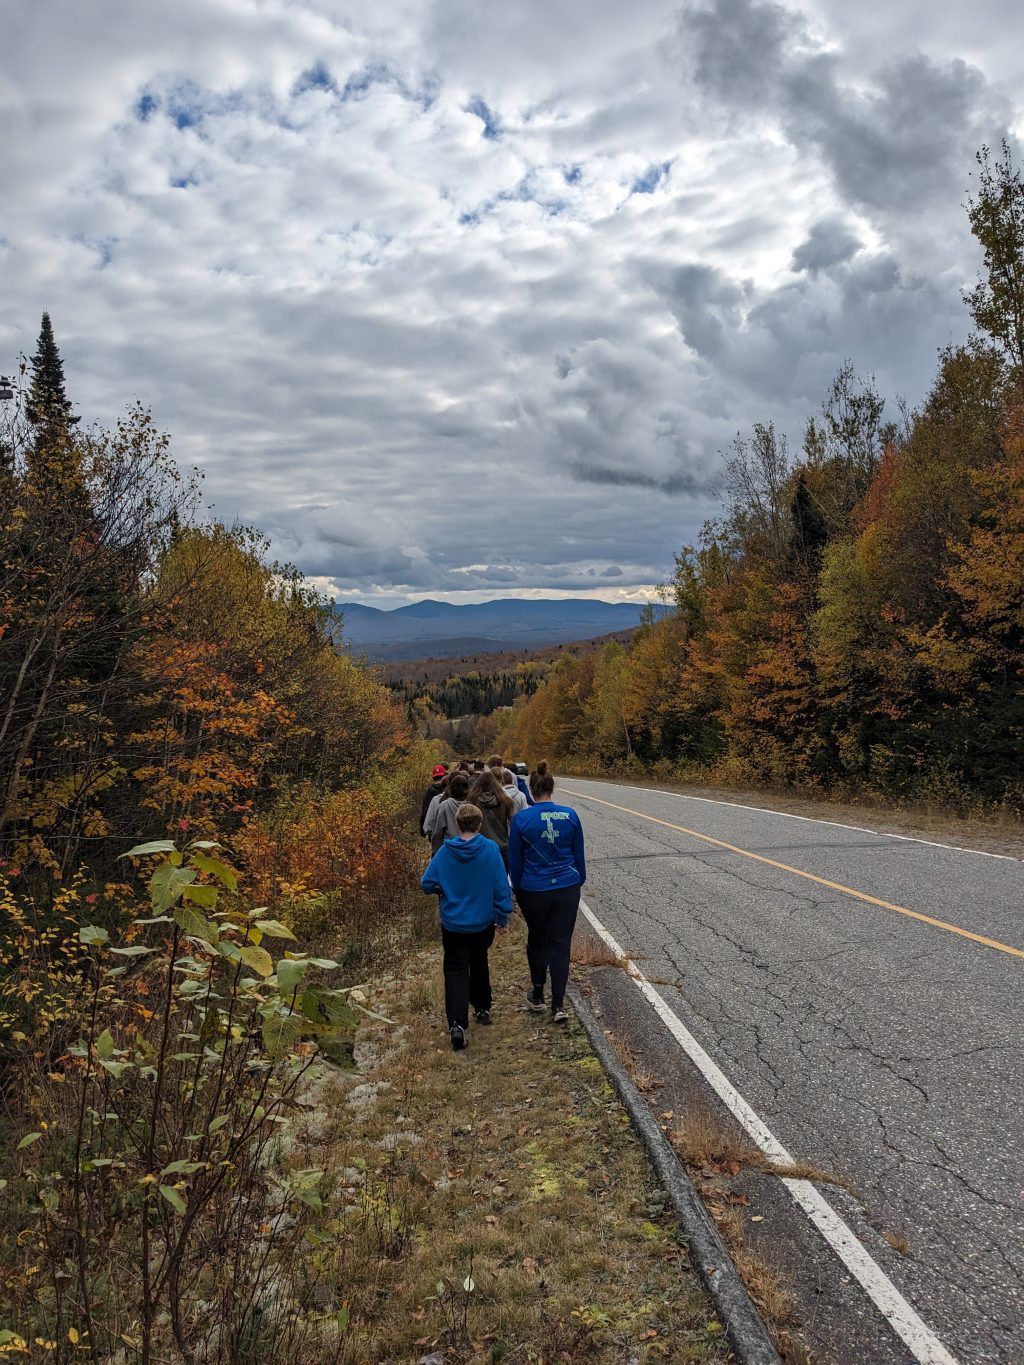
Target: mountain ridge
column 445, row 629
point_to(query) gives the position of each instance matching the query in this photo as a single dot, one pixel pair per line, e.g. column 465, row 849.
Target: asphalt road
column 885, row 1047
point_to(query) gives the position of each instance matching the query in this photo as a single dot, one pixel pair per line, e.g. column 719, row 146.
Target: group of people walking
column 495, row 837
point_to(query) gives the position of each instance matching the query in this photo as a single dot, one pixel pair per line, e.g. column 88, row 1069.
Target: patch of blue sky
column 145, row 106
column 183, row 182
column 572, row 175
column 317, row 77
column 651, row 178
column 487, row 116
column 374, row 73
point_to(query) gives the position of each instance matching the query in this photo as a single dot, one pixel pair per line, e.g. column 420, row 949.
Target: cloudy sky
column 462, row 300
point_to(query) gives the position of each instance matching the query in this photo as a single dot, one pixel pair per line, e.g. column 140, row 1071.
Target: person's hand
column 501, row 928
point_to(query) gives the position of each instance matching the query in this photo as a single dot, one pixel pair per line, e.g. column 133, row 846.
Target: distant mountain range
column 440, row 630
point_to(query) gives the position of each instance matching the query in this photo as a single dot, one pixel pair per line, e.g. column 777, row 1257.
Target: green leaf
column 92, row 933
column 116, row 1069
column 173, row 1198
column 206, row 896
column 324, row 1006
column 155, row 846
column 273, row 928
column 340, row 1051
column 342, row 1318
column 327, row 963
column 217, row 1124
column 202, row 843
column 280, row 1034
column 167, row 884
column 153, row 919
column 289, row 974
column 312, row 1198
column 183, row 1167
column 227, row 876
column 28, row 1140
column 136, row 950
column 257, row 958
column 105, row 1045
column 195, row 925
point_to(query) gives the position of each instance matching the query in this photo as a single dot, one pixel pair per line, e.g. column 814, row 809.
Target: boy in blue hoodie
column 468, row 874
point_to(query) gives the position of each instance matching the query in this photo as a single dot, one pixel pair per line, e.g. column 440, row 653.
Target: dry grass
column 897, row 1240
column 495, row 1204
column 588, row 950
column 703, row 1141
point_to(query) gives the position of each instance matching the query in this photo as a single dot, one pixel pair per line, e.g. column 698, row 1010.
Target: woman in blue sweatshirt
column 547, row 867
column 468, row 873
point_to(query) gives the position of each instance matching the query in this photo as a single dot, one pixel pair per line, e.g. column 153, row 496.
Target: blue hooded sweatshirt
column 545, row 848
column 469, row 876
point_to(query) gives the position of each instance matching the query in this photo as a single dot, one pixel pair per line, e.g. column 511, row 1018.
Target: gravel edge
column 747, row 1334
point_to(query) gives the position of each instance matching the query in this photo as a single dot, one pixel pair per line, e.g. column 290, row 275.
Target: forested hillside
column 197, row 794
column 854, row 619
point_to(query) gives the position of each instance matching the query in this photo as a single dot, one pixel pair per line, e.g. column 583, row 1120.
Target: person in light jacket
column 511, row 789
column 547, row 866
column 439, row 824
column 468, row 875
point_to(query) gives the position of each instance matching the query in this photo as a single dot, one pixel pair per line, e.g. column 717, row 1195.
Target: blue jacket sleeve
column 502, row 891
column 515, row 851
column 429, row 882
column 577, row 850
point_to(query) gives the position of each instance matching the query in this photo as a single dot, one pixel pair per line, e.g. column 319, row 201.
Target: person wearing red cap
column 435, row 788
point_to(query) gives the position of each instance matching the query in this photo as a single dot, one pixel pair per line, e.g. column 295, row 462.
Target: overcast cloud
column 463, row 300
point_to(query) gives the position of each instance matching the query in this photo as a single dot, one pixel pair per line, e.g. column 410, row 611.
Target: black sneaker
column 458, row 1037
column 535, row 998
column 483, row 1016
column 559, row 1016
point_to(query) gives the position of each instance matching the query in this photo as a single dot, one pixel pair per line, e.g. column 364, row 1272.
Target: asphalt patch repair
column 494, row 1204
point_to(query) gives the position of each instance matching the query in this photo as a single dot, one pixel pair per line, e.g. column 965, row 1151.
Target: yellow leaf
column 257, row 958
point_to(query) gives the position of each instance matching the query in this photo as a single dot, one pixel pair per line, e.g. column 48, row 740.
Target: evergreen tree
column 48, row 402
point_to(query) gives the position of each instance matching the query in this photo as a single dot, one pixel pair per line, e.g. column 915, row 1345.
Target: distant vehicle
column 520, row 768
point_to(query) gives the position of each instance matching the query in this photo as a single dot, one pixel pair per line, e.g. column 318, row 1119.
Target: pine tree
column 48, row 403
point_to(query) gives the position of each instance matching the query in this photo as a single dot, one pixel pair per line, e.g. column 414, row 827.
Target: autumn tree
column 996, row 215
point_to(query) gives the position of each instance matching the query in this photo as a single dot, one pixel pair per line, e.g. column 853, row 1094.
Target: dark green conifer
column 48, row 406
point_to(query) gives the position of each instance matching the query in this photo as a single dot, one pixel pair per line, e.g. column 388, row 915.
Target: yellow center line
column 810, row 876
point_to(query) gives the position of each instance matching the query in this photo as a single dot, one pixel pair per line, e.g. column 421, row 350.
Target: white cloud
column 463, row 301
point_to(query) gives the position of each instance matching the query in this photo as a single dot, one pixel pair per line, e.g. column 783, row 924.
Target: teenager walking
column 439, row 824
column 497, row 808
column 436, row 788
column 468, row 875
column 547, row 866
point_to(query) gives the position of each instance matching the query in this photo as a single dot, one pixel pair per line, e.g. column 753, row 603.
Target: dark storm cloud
column 830, row 242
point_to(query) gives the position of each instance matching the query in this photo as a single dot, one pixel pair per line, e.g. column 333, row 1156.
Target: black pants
column 467, row 975
column 550, row 918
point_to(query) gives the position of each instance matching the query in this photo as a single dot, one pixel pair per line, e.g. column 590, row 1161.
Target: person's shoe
column 535, row 998
column 483, row 1016
column 559, row 1016
column 458, row 1037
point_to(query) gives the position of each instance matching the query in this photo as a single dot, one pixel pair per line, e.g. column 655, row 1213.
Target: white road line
column 925, row 1346
column 811, row 820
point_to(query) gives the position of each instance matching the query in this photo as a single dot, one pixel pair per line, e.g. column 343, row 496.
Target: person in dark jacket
column 488, row 793
column 547, row 866
column 436, row 787
column 468, row 875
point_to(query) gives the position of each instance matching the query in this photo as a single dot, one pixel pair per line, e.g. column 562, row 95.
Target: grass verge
column 494, row 1204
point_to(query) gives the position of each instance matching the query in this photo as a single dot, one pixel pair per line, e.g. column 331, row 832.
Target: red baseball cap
column 439, row 771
